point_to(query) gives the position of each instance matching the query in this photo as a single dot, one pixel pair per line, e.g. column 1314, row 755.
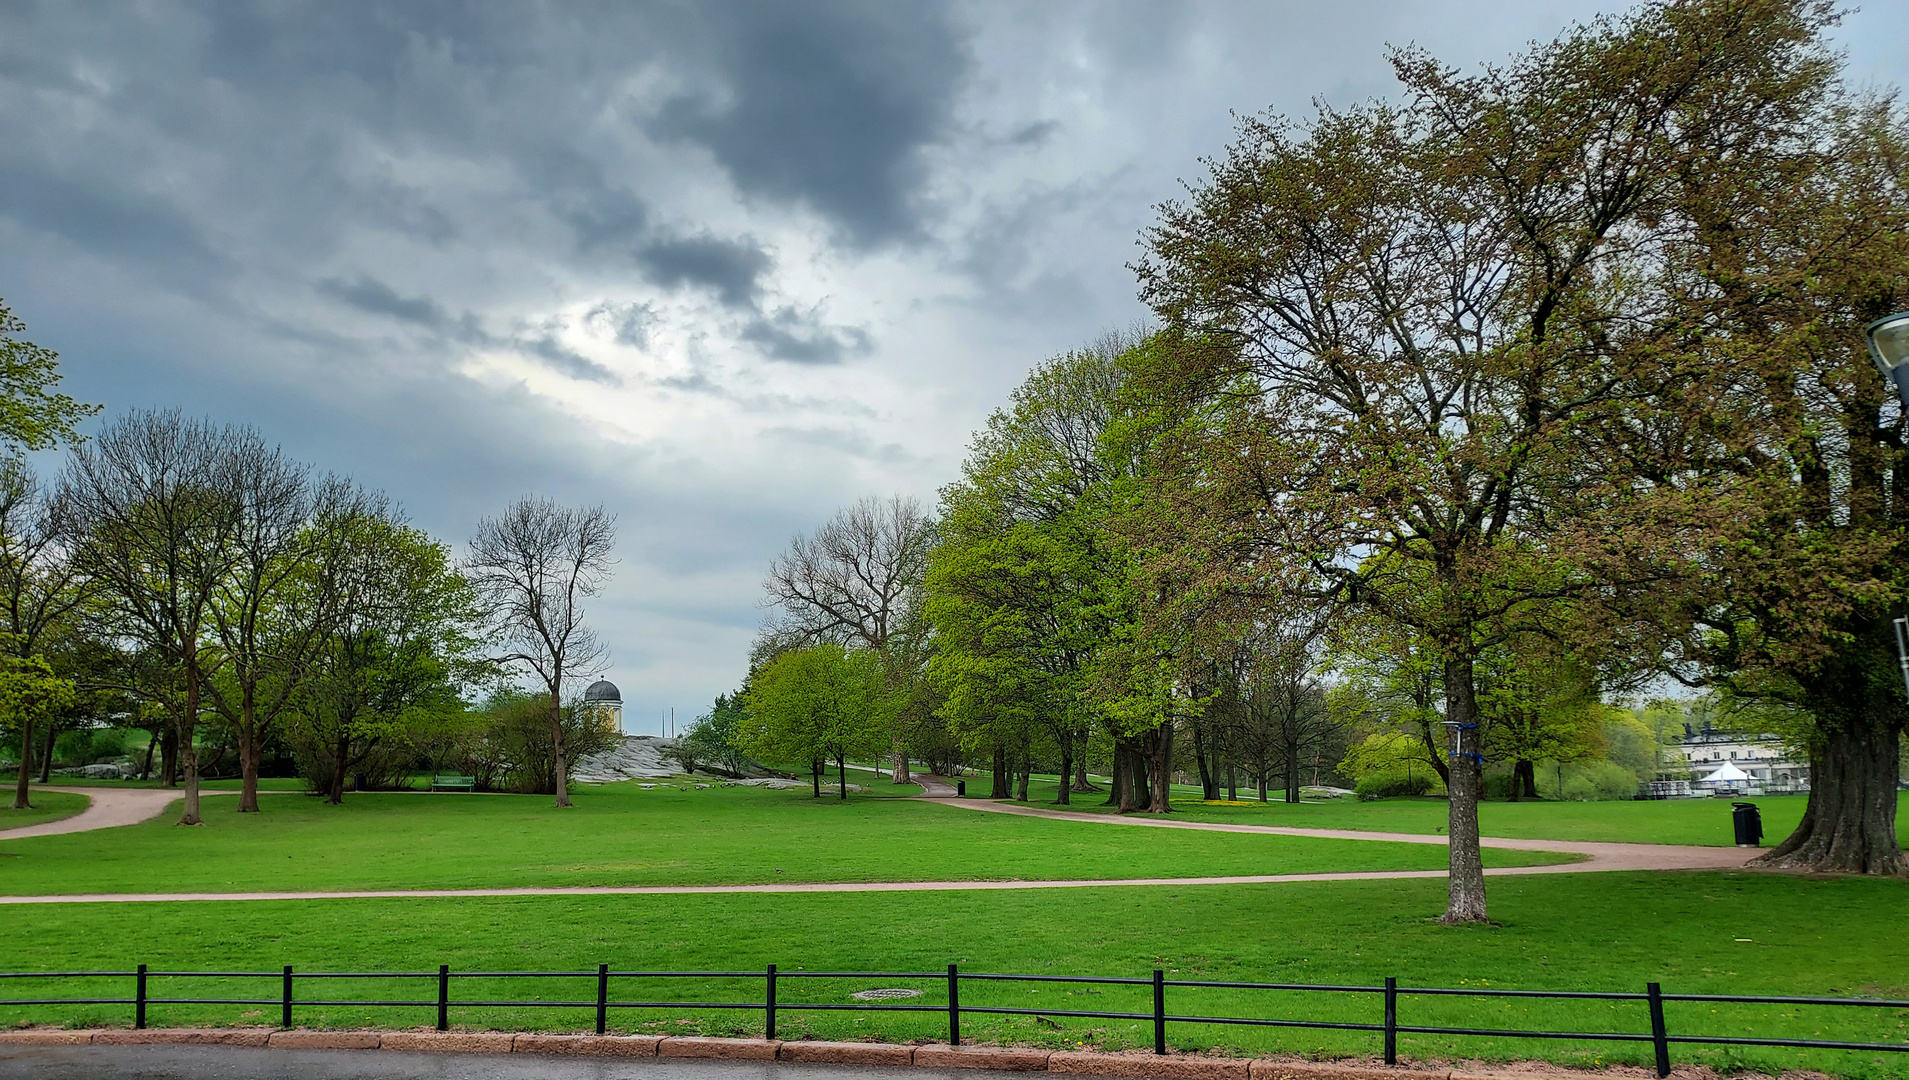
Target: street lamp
column 1889, row 348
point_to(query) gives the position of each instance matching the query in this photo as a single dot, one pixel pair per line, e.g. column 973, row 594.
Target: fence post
column 285, row 1000
column 139, row 998
column 603, row 997
column 444, row 997
column 769, row 1010
column 1159, row 1011
column 1659, row 1035
column 954, row 1007
column 1391, row 1020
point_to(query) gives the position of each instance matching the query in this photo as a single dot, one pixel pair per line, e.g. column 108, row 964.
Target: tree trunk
column 1160, row 764
column 20, row 801
column 1524, row 779
column 1292, row 774
column 1261, row 776
column 340, row 761
column 1067, row 769
column 841, row 774
column 815, row 776
column 999, row 790
column 1209, row 784
column 1437, row 757
column 1081, row 783
column 1130, row 787
column 556, row 740
column 145, row 771
column 46, row 759
column 1466, row 880
column 900, row 774
column 248, row 750
column 1849, row 824
column 169, row 755
column 1020, row 781
column 188, row 724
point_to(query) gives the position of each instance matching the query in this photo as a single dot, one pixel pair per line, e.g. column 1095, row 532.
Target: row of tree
column 1460, row 414
column 179, row 573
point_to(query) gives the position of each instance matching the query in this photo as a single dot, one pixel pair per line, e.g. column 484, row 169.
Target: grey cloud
column 628, row 322
column 564, row 360
column 371, row 295
column 802, row 338
column 374, row 296
column 733, row 269
column 844, row 441
column 829, row 104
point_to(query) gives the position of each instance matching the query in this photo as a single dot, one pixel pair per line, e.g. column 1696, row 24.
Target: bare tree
column 858, row 581
column 533, row 566
column 39, row 582
column 152, row 505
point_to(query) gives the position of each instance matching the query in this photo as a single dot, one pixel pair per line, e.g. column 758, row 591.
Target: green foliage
column 715, row 738
column 1395, row 781
column 821, row 703
column 507, row 745
column 33, row 416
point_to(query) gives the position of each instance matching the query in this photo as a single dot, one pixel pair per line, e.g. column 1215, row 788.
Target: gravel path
column 1596, row 855
column 108, row 808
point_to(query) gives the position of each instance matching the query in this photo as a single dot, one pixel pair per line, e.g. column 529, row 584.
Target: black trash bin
column 961, row 789
column 1749, row 823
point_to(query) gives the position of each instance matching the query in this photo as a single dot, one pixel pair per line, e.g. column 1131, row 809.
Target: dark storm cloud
column 802, row 338
column 733, row 269
column 828, row 104
column 369, row 294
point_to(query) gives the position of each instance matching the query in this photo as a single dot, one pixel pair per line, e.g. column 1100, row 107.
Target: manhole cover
column 884, row 995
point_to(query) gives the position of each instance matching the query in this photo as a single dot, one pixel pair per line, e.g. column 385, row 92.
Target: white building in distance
column 1767, row 767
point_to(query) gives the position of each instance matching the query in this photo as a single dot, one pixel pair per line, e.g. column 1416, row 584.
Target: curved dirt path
column 1595, row 855
column 107, row 808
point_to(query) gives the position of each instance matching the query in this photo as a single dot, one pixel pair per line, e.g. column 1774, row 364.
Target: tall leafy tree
column 40, row 587
column 1408, row 332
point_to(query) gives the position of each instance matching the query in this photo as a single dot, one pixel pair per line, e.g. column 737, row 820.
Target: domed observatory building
column 603, row 701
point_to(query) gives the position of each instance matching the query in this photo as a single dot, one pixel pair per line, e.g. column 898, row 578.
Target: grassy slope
column 624, row 835
column 1600, row 931
column 1675, row 821
column 47, row 806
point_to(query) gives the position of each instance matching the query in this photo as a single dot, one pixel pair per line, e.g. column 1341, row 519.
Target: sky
column 720, row 266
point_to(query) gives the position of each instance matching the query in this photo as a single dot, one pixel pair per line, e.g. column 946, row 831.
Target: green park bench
column 453, row 782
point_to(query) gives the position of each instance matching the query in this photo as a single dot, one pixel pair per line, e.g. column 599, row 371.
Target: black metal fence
column 1388, row 1028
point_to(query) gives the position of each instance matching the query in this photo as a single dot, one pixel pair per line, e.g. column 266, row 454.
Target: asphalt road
column 244, row 1063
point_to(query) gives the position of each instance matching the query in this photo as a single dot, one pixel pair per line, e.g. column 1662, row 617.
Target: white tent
column 1729, row 774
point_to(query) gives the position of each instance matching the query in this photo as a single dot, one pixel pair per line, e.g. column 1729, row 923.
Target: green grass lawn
column 47, row 806
column 622, row 834
column 1672, row 821
column 1731, row 933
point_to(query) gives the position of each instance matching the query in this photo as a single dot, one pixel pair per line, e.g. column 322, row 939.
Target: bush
column 1388, row 783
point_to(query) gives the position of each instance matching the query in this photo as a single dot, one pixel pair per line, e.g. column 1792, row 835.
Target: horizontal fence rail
column 599, row 981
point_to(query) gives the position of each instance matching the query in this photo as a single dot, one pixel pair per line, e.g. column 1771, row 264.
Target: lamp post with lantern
column 1889, row 347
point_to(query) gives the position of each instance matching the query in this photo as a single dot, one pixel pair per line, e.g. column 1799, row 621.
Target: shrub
column 1389, row 783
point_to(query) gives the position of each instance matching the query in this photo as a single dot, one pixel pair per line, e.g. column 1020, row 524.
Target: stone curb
column 592, row 1045
column 846, row 1053
column 185, row 1036
column 690, row 1046
column 326, row 1040
column 1134, row 1066
column 1006, row 1058
column 450, row 1042
column 45, row 1037
column 1147, row 1067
